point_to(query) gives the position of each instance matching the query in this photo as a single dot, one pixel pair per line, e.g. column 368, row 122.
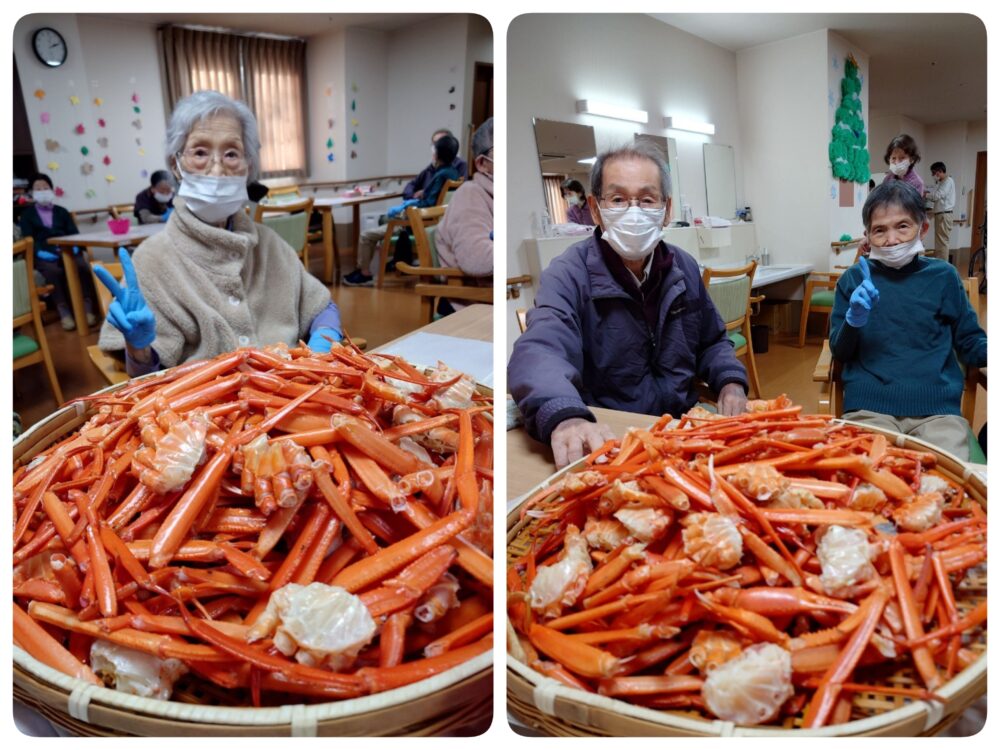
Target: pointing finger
column 865, row 270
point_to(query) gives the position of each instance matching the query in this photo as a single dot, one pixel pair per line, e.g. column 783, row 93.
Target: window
column 268, row 74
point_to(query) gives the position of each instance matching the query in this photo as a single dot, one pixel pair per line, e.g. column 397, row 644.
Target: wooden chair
column 86, row 218
column 831, row 398
column 448, row 191
column 732, row 298
column 291, row 221
column 124, row 211
column 522, row 318
column 820, row 290
column 112, row 369
column 293, row 194
column 435, row 281
column 27, row 310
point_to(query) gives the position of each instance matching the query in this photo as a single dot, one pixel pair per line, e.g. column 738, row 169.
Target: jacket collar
column 602, row 280
column 486, row 183
column 219, row 250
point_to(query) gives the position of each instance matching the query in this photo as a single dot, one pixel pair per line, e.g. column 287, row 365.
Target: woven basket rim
column 235, row 716
column 716, row 727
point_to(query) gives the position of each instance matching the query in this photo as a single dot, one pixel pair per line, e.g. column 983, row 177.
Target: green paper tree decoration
column 849, row 158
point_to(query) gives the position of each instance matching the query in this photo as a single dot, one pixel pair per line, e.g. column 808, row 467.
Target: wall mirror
column 565, row 150
column 667, row 147
column 720, row 180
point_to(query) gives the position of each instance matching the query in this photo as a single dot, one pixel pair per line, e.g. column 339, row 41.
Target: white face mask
column 44, row 197
column 633, row 233
column 900, row 167
column 573, row 199
column 213, row 199
column 897, row 256
column 164, row 197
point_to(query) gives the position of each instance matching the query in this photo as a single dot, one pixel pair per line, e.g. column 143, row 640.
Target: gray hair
column 638, row 150
column 190, row 110
column 894, row 193
column 482, row 140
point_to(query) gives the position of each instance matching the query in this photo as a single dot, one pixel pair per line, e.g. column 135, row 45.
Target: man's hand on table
column 574, row 438
column 732, row 400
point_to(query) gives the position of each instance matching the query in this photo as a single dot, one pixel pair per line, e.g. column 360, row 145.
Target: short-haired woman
column 575, row 195
column 902, row 156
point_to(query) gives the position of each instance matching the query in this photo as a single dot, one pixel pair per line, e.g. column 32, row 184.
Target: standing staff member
column 943, row 195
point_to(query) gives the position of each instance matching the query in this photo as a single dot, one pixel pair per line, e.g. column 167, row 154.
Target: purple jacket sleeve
column 544, row 373
column 135, row 369
column 329, row 317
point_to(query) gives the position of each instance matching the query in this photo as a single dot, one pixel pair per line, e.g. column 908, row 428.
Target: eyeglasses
column 200, row 159
column 645, row 202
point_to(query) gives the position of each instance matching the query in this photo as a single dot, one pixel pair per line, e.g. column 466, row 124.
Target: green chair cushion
column 821, row 298
column 739, row 341
column 24, row 345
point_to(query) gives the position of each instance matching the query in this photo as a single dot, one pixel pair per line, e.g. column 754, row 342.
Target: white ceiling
column 928, row 67
column 302, row 25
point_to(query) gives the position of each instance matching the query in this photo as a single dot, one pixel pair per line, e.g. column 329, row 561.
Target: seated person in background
column 155, row 203
column 902, row 156
column 445, row 149
column 213, row 280
column 464, row 236
column 899, row 320
column 621, row 320
column 574, row 194
column 416, row 187
column 41, row 221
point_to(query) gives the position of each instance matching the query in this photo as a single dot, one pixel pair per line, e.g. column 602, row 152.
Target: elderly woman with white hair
column 212, row 280
column 464, row 236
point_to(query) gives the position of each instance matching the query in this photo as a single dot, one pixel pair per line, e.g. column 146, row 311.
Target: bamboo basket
column 555, row 709
column 457, row 702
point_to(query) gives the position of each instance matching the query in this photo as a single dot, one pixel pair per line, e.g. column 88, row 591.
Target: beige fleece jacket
column 213, row 290
column 463, row 234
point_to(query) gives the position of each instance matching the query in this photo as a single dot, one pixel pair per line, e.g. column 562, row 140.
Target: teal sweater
column 903, row 361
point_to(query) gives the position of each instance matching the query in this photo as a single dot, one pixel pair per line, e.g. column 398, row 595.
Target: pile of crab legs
column 168, row 522
column 752, row 568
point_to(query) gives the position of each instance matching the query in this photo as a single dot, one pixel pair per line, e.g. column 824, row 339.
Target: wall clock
column 49, row 46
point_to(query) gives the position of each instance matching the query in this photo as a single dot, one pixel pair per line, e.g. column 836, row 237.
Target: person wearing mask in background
column 621, row 320
column 464, row 236
column 576, row 197
column 416, row 187
column 41, row 221
column 155, row 203
column 901, row 323
column 445, row 150
column 943, row 195
column 212, row 280
column 902, row 156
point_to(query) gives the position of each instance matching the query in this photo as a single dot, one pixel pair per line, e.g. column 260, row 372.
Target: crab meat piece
column 751, row 688
column 713, row 648
column 934, row 483
column 560, row 584
column 712, row 540
column 701, row 413
column 320, row 625
column 623, row 492
column 456, row 396
column 845, row 556
column 796, row 497
column 607, row 534
column 135, row 672
column 759, row 482
column 759, row 404
column 643, row 524
column 867, row 497
column 919, row 515
column 414, row 448
column 439, row 598
column 583, row 480
column 177, row 454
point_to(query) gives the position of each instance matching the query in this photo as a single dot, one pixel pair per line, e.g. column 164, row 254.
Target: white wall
column 366, row 68
column 425, row 60
column 90, row 73
column 325, row 72
column 479, row 50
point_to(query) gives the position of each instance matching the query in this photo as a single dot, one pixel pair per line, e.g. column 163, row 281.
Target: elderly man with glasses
column 212, row 280
column 621, row 320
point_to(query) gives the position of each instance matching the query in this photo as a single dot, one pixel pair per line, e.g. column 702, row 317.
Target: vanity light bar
column 693, row 126
column 591, row 160
column 590, row 107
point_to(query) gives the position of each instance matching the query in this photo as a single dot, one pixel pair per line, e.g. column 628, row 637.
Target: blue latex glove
column 320, row 341
column 864, row 298
column 397, row 211
column 166, row 214
column 128, row 311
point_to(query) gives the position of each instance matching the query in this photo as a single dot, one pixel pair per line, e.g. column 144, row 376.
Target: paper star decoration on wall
column 60, row 192
column 53, row 165
column 90, row 193
column 51, row 144
column 329, row 157
column 109, row 177
column 98, row 101
column 135, row 98
column 102, row 142
column 45, row 118
column 106, row 160
column 39, row 94
column 74, row 99
column 84, row 150
column 86, row 168
column 79, row 129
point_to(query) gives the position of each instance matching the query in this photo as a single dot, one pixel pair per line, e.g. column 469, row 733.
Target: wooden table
column 326, row 206
column 103, row 238
column 473, row 322
column 530, row 462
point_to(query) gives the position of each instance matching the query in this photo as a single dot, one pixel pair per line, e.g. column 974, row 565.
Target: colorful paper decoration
column 86, row 168
column 329, row 157
column 144, row 173
column 90, row 193
column 53, row 166
column 45, row 118
column 354, row 87
column 84, row 150
column 451, row 90
column 60, row 192
column 329, row 142
column 79, row 130
column 138, row 141
column 354, row 138
column 354, row 105
column 137, row 124
column 135, row 98
column 329, row 122
column 101, row 122
column 329, row 91
column 39, row 94
column 451, row 106
column 354, row 122
column 136, row 110
column 102, row 142
column 109, row 178
column 74, row 99
column 106, row 160
column 849, row 159
column 98, row 101
column 142, row 152
column 51, row 144
column 354, row 154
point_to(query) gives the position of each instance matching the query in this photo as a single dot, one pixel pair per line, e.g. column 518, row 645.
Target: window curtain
column 275, row 78
column 553, row 196
column 267, row 74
